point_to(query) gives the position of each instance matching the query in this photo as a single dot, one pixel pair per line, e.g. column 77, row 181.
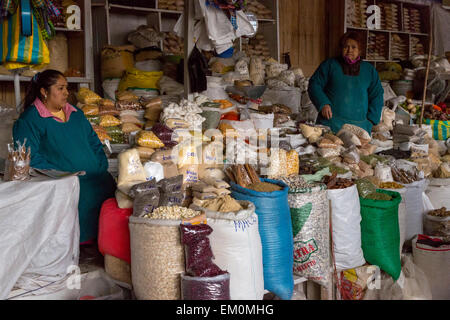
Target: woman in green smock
column 61, row 138
column 346, row 89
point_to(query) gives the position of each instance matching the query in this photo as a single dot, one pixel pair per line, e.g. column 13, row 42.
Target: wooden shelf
column 339, row 23
column 68, row 30
column 7, row 77
column 143, row 9
column 267, row 20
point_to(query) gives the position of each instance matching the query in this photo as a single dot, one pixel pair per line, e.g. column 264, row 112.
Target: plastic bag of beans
column 198, row 253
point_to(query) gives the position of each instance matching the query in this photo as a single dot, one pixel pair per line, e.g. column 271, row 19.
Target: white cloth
column 39, row 232
column 245, row 28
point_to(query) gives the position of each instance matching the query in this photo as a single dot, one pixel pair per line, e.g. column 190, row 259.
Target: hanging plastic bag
column 18, row 50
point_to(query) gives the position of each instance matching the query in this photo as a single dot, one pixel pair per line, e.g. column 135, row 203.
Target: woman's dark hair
column 44, row 79
column 351, row 35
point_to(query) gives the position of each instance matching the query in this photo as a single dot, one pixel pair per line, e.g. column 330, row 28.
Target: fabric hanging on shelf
column 45, row 11
column 217, row 31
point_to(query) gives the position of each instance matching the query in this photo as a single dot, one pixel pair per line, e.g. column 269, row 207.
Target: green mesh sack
column 380, row 233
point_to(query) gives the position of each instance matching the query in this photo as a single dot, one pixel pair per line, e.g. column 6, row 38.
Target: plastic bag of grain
column 157, row 258
column 310, row 225
column 205, row 288
column 131, row 171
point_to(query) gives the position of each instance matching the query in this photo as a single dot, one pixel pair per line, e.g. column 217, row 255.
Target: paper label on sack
column 73, row 22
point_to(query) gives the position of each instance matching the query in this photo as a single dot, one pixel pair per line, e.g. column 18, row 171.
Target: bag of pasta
column 86, row 96
column 148, row 139
column 101, row 133
column 109, row 121
column 90, row 110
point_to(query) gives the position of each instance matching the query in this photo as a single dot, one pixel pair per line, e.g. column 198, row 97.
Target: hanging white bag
column 346, row 219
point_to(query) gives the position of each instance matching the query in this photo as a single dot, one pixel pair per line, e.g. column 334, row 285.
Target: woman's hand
column 326, row 112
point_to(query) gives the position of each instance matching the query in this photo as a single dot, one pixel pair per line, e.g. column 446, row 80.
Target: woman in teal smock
column 346, row 89
column 61, row 138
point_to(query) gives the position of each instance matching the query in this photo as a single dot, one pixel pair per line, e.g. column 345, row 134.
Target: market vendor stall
column 238, row 184
column 39, row 237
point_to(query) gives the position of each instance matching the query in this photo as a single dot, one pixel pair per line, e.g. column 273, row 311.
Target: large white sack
column 414, row 208
column 236, row 245
column 346, row 219
column 39, row 233
column 438, row 191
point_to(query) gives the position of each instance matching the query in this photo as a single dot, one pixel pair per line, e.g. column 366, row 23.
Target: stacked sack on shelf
column 175, row 5
column 260, row 10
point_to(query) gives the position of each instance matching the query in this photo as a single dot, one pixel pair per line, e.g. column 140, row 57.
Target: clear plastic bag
column 17, row 164
column 349, row 138
column 86, row 96
column 365, row 187
column 165, row 134
column 383, row 173
column 148, row 139
column 90, row 110
column 198, row 251
column 202, row 288
column 131, row 171
column 352, row 156
column 109, row 121
column 154, row 170
column 329, row 152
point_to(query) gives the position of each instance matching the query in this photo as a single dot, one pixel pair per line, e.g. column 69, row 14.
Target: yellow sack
column 134, row 78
